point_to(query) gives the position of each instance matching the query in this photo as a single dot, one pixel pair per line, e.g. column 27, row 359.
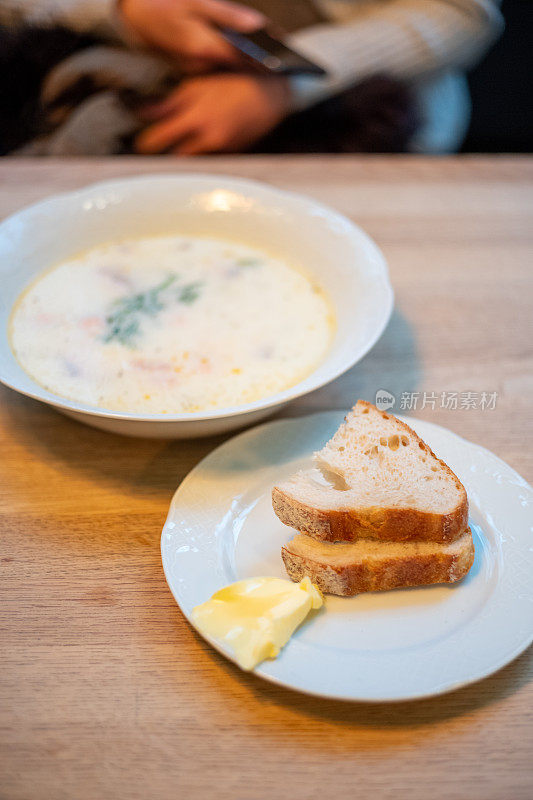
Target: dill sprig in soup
column 124, row 321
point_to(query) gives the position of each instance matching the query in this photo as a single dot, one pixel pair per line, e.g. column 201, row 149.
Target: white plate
column 337, row 253
column 395, row 645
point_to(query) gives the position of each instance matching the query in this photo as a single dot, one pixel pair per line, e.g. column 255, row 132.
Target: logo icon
column 384, row 400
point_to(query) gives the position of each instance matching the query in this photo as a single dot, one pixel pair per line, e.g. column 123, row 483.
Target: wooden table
column 105, row 690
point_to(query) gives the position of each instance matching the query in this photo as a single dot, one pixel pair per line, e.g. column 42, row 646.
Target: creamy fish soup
column 171, row 324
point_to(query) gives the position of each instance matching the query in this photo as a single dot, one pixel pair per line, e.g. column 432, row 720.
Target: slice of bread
column 374, row 479
column 368, row 566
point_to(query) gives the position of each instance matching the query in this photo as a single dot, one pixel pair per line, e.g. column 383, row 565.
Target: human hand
column 222, row 113
column 187, row 29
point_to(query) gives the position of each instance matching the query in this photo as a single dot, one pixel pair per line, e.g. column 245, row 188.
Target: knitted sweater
column 426, row 42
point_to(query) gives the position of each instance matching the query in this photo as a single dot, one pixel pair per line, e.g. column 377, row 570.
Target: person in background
column 426, row 45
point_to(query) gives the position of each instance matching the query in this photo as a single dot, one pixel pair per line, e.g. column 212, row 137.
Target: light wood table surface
column 105, row 690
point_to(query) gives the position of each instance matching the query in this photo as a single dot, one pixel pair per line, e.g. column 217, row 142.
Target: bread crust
column 381, row 575
column 382, row 524
column 385, row 524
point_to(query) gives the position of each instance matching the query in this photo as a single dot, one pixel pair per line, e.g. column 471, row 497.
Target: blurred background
column 186, row 77
column 501, row 88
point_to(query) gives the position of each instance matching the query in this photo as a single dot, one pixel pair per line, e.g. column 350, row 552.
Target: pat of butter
column 255, row 617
